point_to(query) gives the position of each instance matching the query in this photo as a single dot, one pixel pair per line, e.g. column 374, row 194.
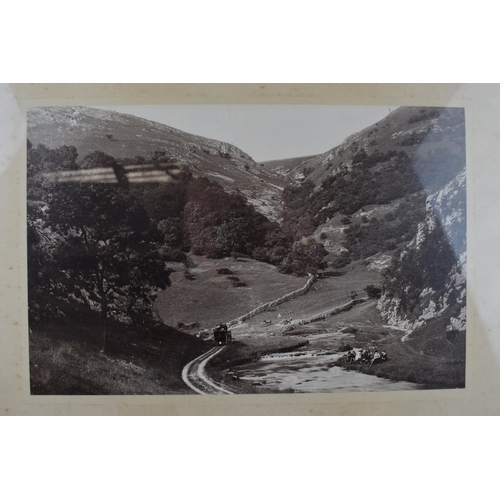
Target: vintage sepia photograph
column 246, row 249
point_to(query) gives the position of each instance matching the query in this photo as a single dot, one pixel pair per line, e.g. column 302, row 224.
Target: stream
column 312, row 371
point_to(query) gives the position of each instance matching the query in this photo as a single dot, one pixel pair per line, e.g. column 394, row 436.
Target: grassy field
column 326, row 294
column 209, row 298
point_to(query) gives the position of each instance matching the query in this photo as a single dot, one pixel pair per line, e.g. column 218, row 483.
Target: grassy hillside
column 88, row 129
column 325, row 295
column 65, row 357
column 411, row 150
column 131, row 139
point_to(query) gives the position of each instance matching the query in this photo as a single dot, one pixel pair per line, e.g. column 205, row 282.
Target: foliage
column 298, row 223
column 100, row 160
column 373, row 291
column 305, row 257
column 224, row 270
column 297, row 196
column 397, row 169
column 110, row 251
column 42, row 161
column 195, row 214
column 137, row 160
column 341, row 260
column 378, row 234
column 219, row 224
column 348, row 192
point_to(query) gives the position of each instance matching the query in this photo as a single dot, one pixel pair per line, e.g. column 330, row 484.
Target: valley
column 142, row 238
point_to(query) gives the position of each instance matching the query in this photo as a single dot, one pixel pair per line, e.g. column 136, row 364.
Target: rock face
column 428, row 279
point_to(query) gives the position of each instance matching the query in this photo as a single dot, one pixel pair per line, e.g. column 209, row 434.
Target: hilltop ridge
column 129, row 138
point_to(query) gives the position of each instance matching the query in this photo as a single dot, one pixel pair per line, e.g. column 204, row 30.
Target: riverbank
column 437, row 364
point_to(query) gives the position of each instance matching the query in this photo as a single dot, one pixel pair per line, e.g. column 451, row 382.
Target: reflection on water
column 312, row 371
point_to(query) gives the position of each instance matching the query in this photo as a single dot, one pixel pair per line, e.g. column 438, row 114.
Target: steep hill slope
column 428, row 136
column 368, row 194
column 128, row 138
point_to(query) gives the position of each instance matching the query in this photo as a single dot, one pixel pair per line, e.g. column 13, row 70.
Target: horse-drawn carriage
column 222, row 335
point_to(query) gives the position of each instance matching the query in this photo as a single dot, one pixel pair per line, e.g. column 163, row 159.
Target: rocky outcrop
column 422, row 296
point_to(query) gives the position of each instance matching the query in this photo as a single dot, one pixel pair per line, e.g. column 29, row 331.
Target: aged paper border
column 481, row 395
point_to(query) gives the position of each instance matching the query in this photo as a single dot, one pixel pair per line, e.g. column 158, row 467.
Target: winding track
column 194, row 376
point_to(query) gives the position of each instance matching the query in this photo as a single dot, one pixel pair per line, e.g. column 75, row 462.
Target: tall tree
column 110, row 250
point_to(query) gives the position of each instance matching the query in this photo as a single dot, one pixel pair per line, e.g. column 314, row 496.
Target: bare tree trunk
column 104, row 312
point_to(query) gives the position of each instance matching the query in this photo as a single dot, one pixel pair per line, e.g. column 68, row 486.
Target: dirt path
column 195, row 377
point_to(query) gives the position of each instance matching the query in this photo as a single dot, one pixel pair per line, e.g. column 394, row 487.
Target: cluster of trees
column 41, row 160
column 197, row 215
column 89, row 244
column 306, row 256
column 347, row 192
column 364, row 160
